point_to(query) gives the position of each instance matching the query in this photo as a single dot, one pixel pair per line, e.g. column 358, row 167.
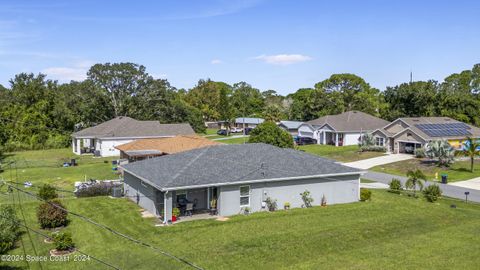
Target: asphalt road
column 448, row 190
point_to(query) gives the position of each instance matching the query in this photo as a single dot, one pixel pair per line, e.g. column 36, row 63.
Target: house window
column 379, row 141
column 181, row 196
column 244, row 196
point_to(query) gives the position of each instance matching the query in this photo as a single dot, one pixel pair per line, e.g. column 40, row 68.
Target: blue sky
column 280, row 45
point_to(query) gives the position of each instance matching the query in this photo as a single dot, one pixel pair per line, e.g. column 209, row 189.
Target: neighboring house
column 241, row 122
column 148, row 148
column 341, row 129
column 290, row 126
column 216, row 172
column 102, row 139
column 404, row 135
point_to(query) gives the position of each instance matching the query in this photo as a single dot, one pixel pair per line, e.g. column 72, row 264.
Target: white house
column 341, row 129
column 102, row 139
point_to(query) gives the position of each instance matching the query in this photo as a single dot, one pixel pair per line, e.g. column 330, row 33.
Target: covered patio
column 199, row 203
column 83, row 145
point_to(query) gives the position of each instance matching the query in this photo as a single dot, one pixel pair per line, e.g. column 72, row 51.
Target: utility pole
column 411, row 76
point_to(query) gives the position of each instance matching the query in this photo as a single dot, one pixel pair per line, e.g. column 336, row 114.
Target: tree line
column 37, row 113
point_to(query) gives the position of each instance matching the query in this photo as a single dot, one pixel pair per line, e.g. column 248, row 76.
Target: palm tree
column 471, row 150
column 415, row 179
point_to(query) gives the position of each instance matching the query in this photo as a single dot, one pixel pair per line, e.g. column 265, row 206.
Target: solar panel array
column 445, row 130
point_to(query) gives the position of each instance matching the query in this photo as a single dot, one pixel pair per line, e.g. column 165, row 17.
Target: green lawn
column 46, row 167
column 412, row 234
column 343, row 153
column 234, row 141
column 210, row 131
column 458, row 171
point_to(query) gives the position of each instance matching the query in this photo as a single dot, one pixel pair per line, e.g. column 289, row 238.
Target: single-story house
column 102, row 139
column 290, row 126
column 252, row 122
column 148, row 148
column 404, row 135
column 215, row 173
column 341, row 129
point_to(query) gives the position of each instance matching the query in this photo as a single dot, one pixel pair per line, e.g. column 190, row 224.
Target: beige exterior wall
column 396, row 127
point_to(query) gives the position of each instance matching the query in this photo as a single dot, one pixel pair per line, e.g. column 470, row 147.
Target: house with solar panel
column 405, row 135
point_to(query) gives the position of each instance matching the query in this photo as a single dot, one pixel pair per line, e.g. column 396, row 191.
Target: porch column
column 336, row 139
column 324, row 137
column 167, row 206
column 79, row 146
column 73, row 146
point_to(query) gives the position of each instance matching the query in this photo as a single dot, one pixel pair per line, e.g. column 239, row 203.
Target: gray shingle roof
column 350, row 121
column 126, row 127
column 413, row 121
column 223, row 164
column 249, row 120
column 291, row 124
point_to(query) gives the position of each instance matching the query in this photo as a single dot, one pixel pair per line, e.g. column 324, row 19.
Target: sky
column 271, row 44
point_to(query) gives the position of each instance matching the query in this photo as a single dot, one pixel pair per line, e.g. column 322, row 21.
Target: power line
column 21, row 239
column 111, row 230
column 79, row 251
column 25, row 221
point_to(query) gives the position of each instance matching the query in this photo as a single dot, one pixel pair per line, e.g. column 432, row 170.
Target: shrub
column 63, row 241
column 306, row 198
column 395, row 186
column 176, row 212
column 47, row 192
column 50, row 216
column 9, row 228
column 432, row 193
column 324, row 200
column 419, row 153
column 271, row 204
column 373, row 148
column 270, row 133
column 440, row 150
column 365, row 194
column 99, row 189
column 286, row 206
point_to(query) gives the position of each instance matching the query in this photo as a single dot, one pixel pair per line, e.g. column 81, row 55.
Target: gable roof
column 350, row 121
column 213, row 165
column 249, row 120
column 169, row 145
column 291, row 124
column 413, row 121
column 126, row 127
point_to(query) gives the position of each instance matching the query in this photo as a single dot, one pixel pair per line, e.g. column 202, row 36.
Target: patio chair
column 189, row 209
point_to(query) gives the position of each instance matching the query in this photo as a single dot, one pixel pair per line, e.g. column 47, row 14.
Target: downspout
column 165, row 207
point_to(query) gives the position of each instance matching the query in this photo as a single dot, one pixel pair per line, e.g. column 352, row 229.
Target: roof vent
column 415, row 120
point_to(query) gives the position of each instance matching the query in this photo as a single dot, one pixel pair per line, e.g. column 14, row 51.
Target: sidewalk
column 472, row 183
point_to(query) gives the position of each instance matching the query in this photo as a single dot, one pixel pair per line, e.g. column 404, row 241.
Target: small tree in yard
column 47, row 192
column 440, row 150
column 365, row 194
column 414, row 180
column 271, row 204
column 50, row 215
column 270, row 133
column 306, row 198
column 471, row 150
column 9, row 228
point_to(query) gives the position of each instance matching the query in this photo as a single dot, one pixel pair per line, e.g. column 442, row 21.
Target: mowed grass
column 347, row 153
column 46, row 167
column 390, row 232
column 458, row 171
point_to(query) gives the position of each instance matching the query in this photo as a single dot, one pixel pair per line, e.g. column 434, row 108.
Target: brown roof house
column 103, row 138
column 404, row 135
column 147, row 148
column 341, row 129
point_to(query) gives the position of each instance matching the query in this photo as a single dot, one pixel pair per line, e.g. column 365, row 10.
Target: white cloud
column 216, row 61
column 77, row 72
column 283, row 59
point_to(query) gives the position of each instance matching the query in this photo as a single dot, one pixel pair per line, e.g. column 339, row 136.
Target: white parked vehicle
column 236, row 130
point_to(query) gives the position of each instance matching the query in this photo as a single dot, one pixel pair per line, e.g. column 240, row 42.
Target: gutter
column 264, row 180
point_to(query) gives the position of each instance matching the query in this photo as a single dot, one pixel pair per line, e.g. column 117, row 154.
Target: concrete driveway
column 472, row 183
column 372, row 162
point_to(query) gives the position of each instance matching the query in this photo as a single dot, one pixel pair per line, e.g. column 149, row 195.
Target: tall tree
column 411, row 99
column 120, row 81
column 350, row 92
column 247, row 100
column 206, row 97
